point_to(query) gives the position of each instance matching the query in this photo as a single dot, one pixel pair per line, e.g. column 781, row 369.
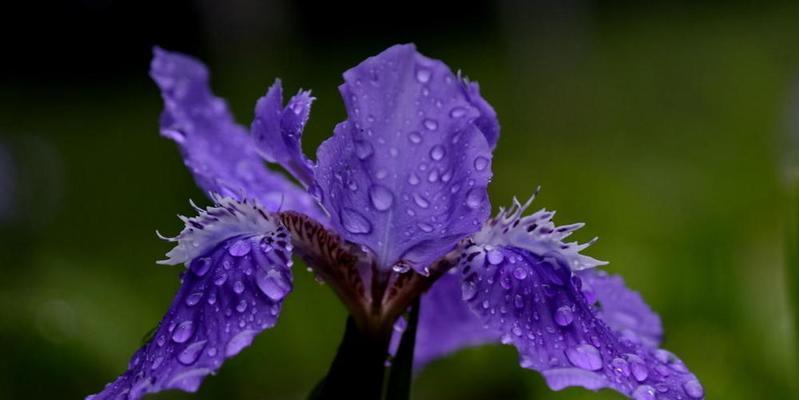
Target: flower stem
column 358, row 369
column 399, row 379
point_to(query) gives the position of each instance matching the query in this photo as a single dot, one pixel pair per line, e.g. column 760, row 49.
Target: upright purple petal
column 622, row 309
column 277, row 131
column 238, row 273
column 536, row 303
column 220, row 154
column 406, row 174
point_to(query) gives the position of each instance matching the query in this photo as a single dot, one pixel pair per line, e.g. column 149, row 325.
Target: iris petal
column 230, row 292
column 277, row 130
column 536, row 303
column 406, row 174
column 219, row 152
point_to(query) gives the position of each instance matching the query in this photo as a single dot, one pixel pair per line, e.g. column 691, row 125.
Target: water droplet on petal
column 272, row 284
column 585, row 356
column 220, row 279
column 468, row 290
column 425, row 227
column 457, row 112
column 423, row 74
column 183, row 331
column 194, row 298
column 192, row 352
column 363, row 149
column 637, row 367
column 242, row 306
column 240, row 248
column 644, row 392
column 437, row 152
column 201, row 266
column 420, row 201
column 474, row 198
column 430, row 124
column 480, row 163
column 238, row 287
column 381, row 197
column 620, row 366
column 354, row 222
column 520, row 273
column 693, row 389
column 415, row 137
column 564, row 316
column 413, row 179
column 495, row 257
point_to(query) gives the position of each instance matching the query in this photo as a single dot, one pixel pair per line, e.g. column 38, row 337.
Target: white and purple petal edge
column 229, row 293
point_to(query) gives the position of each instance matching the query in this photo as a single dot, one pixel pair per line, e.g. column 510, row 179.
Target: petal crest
column 277, row 130
column 406, row 174
column 218, row 152
column 229, row 293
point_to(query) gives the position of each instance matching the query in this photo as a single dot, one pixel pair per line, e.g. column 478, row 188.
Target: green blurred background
column 672, row 130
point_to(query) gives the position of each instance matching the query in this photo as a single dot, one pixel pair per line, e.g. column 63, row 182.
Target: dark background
column 671, row 129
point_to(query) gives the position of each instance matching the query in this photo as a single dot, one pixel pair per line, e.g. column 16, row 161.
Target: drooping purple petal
column 219, row 152
column 278, row 130
column 446, row 324
column 536, row 303
column 622, row 309
column 406, row 174
column 231, row 290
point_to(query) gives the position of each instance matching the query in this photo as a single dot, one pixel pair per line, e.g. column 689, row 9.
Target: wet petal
column 621, row 308
column 406, row 174
column 535, row 233
column 230, row 292
column 446, row 324
column 219, row 153
column 278, row 130
column 536, row 304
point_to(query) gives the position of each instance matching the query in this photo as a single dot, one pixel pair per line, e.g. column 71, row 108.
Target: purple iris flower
column 393, row 210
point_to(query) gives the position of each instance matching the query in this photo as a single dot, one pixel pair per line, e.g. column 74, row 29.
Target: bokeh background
column 672, row 129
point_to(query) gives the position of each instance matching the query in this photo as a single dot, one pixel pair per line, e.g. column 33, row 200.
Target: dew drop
column 413, row 179
column 363, row 149
column 495, row 257
column 425, row 227
column 272, row 284
column 381, row 197
column 420, row 201
column 637, row 367
column 468, row 290
column 520, row 273
column 354, row 222
column 480, row 163
column 242, row 306
column 563, row 316
column 585, row 356
column 474, row 198
column 194, row 298
column 620, row 366
column 432, row 177
column 240, row 248
column 644, row 392
column 238, row 287
column 192, row 352
column 415, row 137
column 457, row 112
column 201, row 266
column 183, row 331
column 430, row 124
column 423, row 74
column 693, row 389
column 220, row 279
column 437, row 152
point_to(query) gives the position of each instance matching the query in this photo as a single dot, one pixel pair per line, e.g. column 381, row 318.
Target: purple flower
column 393, row 209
